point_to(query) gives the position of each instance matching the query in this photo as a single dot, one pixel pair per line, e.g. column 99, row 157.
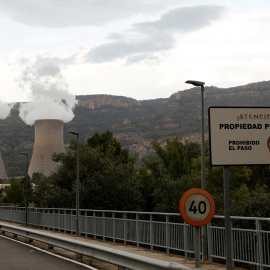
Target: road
column 15, row 255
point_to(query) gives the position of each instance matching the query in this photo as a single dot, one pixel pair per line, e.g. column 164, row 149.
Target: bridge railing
column 163, row 231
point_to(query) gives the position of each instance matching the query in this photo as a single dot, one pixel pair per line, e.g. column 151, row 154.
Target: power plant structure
column 3, row 174
column 48, row 139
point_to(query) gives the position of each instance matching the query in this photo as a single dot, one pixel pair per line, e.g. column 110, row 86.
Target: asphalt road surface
column 18, row 256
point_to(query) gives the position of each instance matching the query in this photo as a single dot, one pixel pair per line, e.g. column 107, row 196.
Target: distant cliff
column 94, row 102
column 136, row 123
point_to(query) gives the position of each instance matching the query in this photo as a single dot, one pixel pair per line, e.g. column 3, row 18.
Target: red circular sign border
column 182, row 203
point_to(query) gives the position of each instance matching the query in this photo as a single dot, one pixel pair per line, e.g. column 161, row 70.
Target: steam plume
column 4, row 110
column 50, row 98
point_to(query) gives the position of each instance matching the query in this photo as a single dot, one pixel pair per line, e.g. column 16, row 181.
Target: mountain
column 134, row 123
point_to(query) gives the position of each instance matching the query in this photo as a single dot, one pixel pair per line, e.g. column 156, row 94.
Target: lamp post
column 26, row 189
column 77, row 184
column 203, row 183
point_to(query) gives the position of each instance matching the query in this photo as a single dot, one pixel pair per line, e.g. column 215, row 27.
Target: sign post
column 197, row 207
column 238, row 136
column 227, row 213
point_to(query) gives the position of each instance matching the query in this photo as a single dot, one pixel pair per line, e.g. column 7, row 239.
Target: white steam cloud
column 4, row 110
column 50, row 98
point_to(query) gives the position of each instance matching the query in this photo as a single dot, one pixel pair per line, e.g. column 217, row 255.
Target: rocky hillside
column 134, row 123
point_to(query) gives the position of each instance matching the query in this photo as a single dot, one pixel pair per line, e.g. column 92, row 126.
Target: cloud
column 156, row 36
column 184, row 19
column 158, row 41
column 72, row 13
column 44, row 63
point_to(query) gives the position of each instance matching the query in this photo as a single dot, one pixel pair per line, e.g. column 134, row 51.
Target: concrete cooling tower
column 3, row 174
column 48, row 139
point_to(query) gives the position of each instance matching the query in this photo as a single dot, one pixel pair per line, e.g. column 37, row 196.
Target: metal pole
column 77, row 189
column 197, row 246
column 228, row 237
column 203, row 184
column 202, row 146
column 77, row 184
column 26, row 192
column 26, row 189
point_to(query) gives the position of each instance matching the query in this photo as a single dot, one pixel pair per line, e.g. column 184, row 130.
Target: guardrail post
column 103, row 225
column 113, row 217
column 54, row 220
column 210, row 241
column 29, row 240
column 137, row 230
column 85, row 223
column 43, row 215
column 34, row 211
column 65, row 220
column 151, row 232
column 259, row 244
column 232, row 244
column 59, row 220
column 125, row 228
column 185, row 239
column 78, row 256
column 167, row 233
column 95, row 225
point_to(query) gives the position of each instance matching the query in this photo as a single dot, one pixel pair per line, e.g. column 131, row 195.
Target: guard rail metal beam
column 119, row 258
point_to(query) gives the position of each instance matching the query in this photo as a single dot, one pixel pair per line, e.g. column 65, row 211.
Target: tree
column 166, row 174
column 15, row 193
column 110, row 180
column 239, row 177
column 106, row 176
column 260, row 175
column 176, row 156
column 37, row 177
column 109, row 146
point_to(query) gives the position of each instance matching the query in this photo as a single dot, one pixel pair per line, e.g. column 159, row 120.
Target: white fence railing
column 166, row 231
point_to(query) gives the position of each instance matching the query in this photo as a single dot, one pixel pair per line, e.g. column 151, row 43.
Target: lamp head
column 195, row 83
column 73, row 132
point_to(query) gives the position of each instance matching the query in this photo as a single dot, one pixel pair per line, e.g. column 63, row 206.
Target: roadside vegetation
column 110, row 178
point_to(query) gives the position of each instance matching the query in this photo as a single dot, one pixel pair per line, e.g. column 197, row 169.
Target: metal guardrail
column 167, row 231
column 122, row 259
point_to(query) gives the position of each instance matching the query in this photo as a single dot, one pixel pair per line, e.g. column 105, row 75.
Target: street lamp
column 201, row 84
column 26, row 189
column 203, row 184
column 77, row 184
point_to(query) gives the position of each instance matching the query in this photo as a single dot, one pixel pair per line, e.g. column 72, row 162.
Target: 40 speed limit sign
column 197, row 207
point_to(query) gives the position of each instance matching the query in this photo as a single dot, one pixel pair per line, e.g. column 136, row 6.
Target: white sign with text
column 239, row 135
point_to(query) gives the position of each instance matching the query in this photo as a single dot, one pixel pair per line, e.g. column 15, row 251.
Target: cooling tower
column 48, row 139
column 3, row 174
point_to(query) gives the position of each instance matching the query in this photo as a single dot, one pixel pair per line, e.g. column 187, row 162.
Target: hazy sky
column 144, row 49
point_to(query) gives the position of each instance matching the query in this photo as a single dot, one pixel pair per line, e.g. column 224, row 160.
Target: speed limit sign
column 197, row 207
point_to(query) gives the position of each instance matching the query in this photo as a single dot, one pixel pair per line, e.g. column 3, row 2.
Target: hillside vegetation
column 134, row 123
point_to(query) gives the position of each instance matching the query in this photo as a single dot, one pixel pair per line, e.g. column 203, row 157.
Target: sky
column 143, row 49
